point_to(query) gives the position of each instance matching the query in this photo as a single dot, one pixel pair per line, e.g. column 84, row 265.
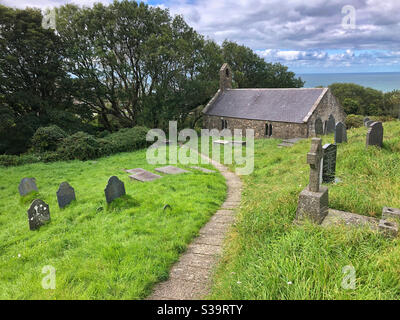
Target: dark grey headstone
column 115, row 188
column 145, row 176
column 65, row 194
column 319, row 127
column 340, row 133
column 329, row 163
column 366, row 119
column 375, row 135
column 27, row 185
column 330, row 125
column 38, row 214
column 171, row 170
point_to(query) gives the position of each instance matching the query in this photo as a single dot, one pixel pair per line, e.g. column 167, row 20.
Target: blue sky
column 308, row 36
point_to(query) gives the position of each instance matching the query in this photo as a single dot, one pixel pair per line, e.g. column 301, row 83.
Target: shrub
column 129, row 139
column 354, row 121
column 81, row 146
column 12, row 160
column 47, row 138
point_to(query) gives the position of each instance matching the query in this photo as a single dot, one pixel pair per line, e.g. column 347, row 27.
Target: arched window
column 270, row 130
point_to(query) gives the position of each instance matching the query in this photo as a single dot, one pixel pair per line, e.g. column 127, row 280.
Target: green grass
column 267, row 257
column 100, row 252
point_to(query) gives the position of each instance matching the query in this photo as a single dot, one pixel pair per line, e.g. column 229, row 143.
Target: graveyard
column 268, row 256
column 100, row 251
column 114, row 227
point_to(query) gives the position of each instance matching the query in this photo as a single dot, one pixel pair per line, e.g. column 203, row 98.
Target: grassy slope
column 267, row 257
column 100, row 251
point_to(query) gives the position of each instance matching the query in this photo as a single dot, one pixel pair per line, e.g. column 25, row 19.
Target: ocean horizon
column 383, row 81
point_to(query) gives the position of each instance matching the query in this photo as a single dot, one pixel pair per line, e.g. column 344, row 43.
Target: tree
column 33, row 84
column 251, row 71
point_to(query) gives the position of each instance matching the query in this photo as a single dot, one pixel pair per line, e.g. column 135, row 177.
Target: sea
column 383, row 81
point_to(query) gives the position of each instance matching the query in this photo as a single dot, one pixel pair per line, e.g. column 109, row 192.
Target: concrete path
column 190, row 277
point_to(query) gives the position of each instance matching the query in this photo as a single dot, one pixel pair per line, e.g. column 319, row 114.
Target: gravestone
column 313, row 200
column 145, row 176
column 366, row 120
column 115, row 188
column 368, row 123
column 319, row 127
column 330, row 125
column 38, row 214
column 27, row 185
column 375, row 135
column 390, row 213
column 340, row 133
column 329, row 163
column 171, row 170
column 135, row 171
column 65, row 195
column 203, row 169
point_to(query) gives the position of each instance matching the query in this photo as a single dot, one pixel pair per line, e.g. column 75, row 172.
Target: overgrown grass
column 100, row 252
column 267, row 257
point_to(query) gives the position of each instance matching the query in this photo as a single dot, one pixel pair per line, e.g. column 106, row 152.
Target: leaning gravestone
column 27, row 185
column 329, row 163
column 330, row 126
column 65, row 195
column 319, row 127
column 38, row 214
column 340, row 133
column 375, row 135
column 115, row 188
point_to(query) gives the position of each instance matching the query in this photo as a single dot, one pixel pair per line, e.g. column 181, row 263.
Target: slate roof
column 281, row 105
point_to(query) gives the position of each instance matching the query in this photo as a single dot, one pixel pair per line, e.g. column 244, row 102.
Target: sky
column 309, row 36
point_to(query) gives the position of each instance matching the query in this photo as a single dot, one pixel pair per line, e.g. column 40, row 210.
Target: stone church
column 272, row 113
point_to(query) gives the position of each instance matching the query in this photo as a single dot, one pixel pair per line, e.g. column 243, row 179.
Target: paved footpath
column 190, row 278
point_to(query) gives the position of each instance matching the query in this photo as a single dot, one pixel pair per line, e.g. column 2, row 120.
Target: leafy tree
column 33, row 85
column 251, row 71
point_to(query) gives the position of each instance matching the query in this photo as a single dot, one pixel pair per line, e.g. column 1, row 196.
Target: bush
column 354, row 121
column 47, row 138
column 81, row 146
column 12, row 160
column 127, row 139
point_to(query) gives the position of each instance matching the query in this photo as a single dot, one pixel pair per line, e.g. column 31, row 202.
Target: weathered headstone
column 319, row 127
column 27, row 185
column 330, row 125
column 135, row 171
column 38, row 214
column 145, row 176
column 65, row 194
column 368, row 123
column 203, row 169
column 366, row 119
column 313, row 200
column 329, row 163
column 375, row 135
column 115, row 188
column 390, row 213
column 171, row 170
column 340, row 133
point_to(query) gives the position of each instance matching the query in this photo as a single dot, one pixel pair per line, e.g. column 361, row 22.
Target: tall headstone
column 319, row 127
column 340, row 133
column 329, row 163
column 375, row 135
column 27, row 185
column 115, row 188
column 65, row 194
column 330, row 125
column 313, row 200
column 38, row 214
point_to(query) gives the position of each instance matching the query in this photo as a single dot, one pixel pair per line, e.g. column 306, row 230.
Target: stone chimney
column 225, row 77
